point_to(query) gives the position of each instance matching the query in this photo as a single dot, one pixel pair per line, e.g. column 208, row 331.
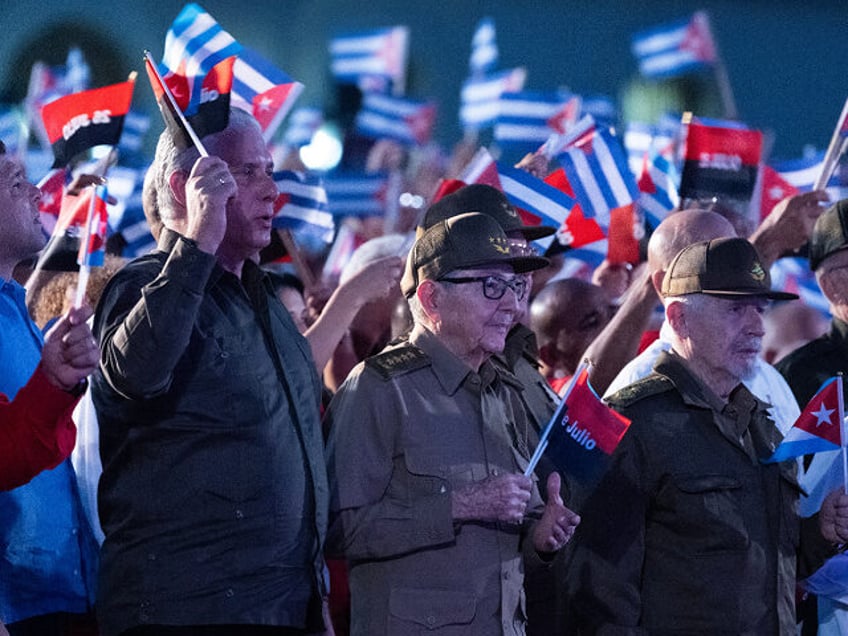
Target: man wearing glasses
column 428, row 499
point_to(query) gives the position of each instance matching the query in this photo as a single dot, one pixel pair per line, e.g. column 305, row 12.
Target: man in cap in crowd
column 689, row 531
column 428, row 500
column 806, row 369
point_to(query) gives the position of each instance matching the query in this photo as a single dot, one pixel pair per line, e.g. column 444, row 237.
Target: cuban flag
column 482, row 169
column 641, row 139
column 136, row 125
column 405, row 120
column 262, row 89
column 528, row 118
column 195, row 43
column 658, row 181
column 537, row 202
column 818, row 428
column 583, row 128
column 380, row 53
column 356, row 193
column 302, row 125
column 598, row 173
column 93, row 238
column 602, row 108
column 793, row 274
column 302, row 205
column 484, row 48
column 675, row 49
column 480, row 96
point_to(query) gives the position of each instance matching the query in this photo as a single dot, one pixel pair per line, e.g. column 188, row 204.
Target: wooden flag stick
column 297, row 258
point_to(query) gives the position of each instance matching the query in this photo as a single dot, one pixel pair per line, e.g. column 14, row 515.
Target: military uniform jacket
column 689, row 533
column 406, row 428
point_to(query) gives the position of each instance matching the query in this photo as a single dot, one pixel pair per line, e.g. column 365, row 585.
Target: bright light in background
column 324, row 151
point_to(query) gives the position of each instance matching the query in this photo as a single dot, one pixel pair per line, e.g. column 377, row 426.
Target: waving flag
column 93, row 238
column 774, row 188
column 356, row 193
column 528, row 118
column 657, row 183
column 537, row 202
column 675, row 49
column 136, row 125
column 379, row 53
column 484, row 48
column 404, row 120
column 194, row 45
column 262, row 89
column 303, row 124
column 582, row 434
column 793, row 274
column 598, row 173
column 211, row 116
column 302, row 205
column 77, row 122
column 480, row 97
column 818, row 428
column 482, row 169
column 720, row 161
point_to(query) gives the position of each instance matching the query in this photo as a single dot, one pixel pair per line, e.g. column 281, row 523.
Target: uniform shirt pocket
column 419, row 611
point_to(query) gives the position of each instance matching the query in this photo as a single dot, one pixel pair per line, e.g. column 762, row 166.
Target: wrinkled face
column 22, row 236
column 472, row 325
column 251, row 211
column 726, row 335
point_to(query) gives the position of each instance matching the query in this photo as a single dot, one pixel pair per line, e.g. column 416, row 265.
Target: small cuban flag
column 818, row 428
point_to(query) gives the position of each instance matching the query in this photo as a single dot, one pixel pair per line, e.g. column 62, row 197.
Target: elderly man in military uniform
column 429, row 502
column 690, row 532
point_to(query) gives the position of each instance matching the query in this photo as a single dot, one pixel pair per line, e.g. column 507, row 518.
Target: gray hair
column 169, row 159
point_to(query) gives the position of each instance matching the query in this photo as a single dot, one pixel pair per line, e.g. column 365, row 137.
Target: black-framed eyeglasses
column 494, row 287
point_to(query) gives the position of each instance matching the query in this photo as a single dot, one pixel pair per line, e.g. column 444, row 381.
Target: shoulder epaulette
column 639, row 390
column 397, row 361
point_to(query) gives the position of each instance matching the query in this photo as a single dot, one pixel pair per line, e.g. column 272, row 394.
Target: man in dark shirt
column 213, row 497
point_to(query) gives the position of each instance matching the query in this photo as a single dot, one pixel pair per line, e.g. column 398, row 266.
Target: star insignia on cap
column 757, row 272
column 509, row 210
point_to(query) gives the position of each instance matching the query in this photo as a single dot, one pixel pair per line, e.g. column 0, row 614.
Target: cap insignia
column 757, row 272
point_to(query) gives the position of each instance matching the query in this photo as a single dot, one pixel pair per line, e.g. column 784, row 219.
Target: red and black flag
column 213, row 113
column 720, row 161
column 80, row 121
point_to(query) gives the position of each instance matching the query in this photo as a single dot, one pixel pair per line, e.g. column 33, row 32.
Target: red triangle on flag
column 821, row 415
column 774, row 189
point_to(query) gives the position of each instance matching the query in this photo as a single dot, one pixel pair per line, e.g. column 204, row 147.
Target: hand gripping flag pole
column 543, row 440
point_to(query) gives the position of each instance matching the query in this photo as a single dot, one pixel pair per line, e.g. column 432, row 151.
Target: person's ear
column 675, row 313
column 431, row 296
column 177, row 182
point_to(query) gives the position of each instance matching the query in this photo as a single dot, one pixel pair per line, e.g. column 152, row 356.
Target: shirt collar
column 449, row 370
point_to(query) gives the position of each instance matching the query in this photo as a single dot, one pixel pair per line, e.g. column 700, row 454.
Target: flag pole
column 834, row 149
column 543, row 440
column 842, row 441
column 173, row 102
column 720, row 71
column 300, row 265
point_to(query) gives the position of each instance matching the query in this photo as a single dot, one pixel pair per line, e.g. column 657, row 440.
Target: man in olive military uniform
column 689, row 531
column 429, row 503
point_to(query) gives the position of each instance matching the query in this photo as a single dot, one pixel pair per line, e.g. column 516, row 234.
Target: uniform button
column 443, row 490
column 239, row 514
column 494, row 472
column 225, row 354
column 431, row 620
column 229, row 593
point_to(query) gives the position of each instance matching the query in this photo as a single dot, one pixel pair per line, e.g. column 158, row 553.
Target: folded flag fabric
column 584, row 436
column 596, row 168
column 480, row 96
column 262, row 89
column 675, row 49
column 212, row 114
column 194, row 45
column 720, row 161
column 405, row 120
column 80, row 121
column 818, row 428
column 367, row 54
column 484, row 48
column 302, row 205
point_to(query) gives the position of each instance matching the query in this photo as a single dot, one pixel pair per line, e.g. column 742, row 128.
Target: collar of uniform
column 690, row 386
column 449, row 370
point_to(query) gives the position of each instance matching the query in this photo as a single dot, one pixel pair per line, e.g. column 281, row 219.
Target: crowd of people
column 274, row 458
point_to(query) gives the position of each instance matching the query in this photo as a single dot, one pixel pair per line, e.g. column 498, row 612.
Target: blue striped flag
column 484, row 48
column 366, row 54
column 602, row 108
column 302, row 205
column 803, row 172
column 658, row 183
column 548, row 205
column 262, row 89
column 136, row 125
column 675, row 49
column 480, row 97
column 303, row 124
column 793, row 274
column 405, row 120
column 194, row 44
column 356, row 193
column 528, row 118
column 92, row 247
column 597, row 171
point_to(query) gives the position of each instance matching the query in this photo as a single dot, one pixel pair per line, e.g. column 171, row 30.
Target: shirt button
column 443, row 490
column 229, row 593
column 494, row 472
column 225, row 354
column 239, row 514
column 75, row 532
column 431, row 620
column 151, row 556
